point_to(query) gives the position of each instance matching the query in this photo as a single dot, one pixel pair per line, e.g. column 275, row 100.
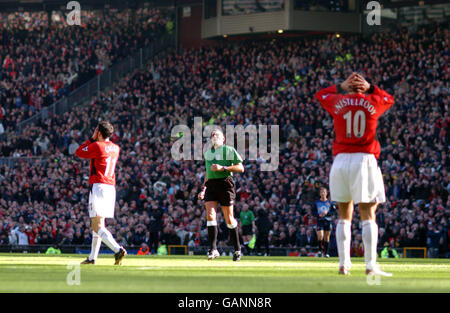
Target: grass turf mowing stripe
column 43, row 273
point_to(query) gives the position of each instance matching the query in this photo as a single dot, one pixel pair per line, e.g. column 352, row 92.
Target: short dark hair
column 106, row 129
column 216, row 130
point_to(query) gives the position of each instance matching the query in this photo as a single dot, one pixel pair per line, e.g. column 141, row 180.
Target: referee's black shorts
column 247, row 230
column 222, row 190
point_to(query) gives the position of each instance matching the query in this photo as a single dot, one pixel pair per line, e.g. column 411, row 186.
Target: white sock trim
column 211, row 223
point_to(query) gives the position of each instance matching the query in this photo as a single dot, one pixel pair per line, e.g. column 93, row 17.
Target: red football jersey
column 355, row 118
column 104, row 156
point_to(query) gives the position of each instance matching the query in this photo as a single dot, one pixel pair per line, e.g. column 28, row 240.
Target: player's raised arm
column 323, row 95
column 378, row 95
column 327, row 97
column 89, row 149
column 381, row 96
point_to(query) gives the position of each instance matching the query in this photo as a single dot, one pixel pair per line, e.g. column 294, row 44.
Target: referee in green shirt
column 219, row 188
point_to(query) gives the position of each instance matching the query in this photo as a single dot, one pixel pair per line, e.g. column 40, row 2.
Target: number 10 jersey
column 355, row 118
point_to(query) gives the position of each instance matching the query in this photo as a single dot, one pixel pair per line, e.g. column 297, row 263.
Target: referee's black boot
column 237, row 256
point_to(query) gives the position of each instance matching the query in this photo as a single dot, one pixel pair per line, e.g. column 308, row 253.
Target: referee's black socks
column 234, row 236
column 212, row 234
column 325, row 247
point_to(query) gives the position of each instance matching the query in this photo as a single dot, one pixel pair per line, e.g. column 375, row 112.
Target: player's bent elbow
column 80, row 155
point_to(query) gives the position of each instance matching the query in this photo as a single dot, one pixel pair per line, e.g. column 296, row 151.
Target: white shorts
column 102, row 200
column 357, row 177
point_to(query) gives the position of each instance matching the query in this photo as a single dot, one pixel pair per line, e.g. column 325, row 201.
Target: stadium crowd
column 41, row 62
column 255, row 82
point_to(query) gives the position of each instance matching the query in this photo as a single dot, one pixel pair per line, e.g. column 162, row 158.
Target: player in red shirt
column 102, row 192
column 355, row 177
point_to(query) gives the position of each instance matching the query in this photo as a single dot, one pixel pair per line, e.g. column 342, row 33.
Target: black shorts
column 247, row 230
column 323, row 224
column 222, row 190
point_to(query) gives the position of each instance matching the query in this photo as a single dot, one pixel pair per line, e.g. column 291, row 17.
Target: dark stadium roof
column 405, row 3
column 31, row 5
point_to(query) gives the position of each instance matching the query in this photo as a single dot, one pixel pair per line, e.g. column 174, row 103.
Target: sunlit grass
column 43, row 273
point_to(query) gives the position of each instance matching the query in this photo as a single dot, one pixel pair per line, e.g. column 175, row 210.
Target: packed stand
column 40, row 63
column 272, row 83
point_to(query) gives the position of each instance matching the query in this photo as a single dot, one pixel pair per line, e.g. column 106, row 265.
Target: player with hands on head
column 102, row 192
column 355, row 178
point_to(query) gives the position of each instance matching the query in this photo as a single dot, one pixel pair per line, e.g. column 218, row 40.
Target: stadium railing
column 198, row 250
column 100, row 82
column 183, row 248
column 414, row 250
column 172, row 249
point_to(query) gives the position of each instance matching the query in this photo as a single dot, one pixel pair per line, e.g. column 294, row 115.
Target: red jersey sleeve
column 381, row 99
column 327, row 98
column 88, row 150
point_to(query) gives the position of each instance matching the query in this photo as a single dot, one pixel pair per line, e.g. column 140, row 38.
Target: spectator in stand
column 263, row 226
column 388, row 251
column 155, row 227
column 247, row 219
column 311, row 238
column 18, row 236
column 169, row 237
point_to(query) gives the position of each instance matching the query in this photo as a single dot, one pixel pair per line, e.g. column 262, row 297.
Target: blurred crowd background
column 268, row 82
column 41, row 63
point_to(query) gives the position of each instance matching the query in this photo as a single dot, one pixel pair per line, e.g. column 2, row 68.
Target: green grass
column 173, row 274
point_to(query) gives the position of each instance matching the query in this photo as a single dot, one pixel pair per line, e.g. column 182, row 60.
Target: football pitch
column 195, row 274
